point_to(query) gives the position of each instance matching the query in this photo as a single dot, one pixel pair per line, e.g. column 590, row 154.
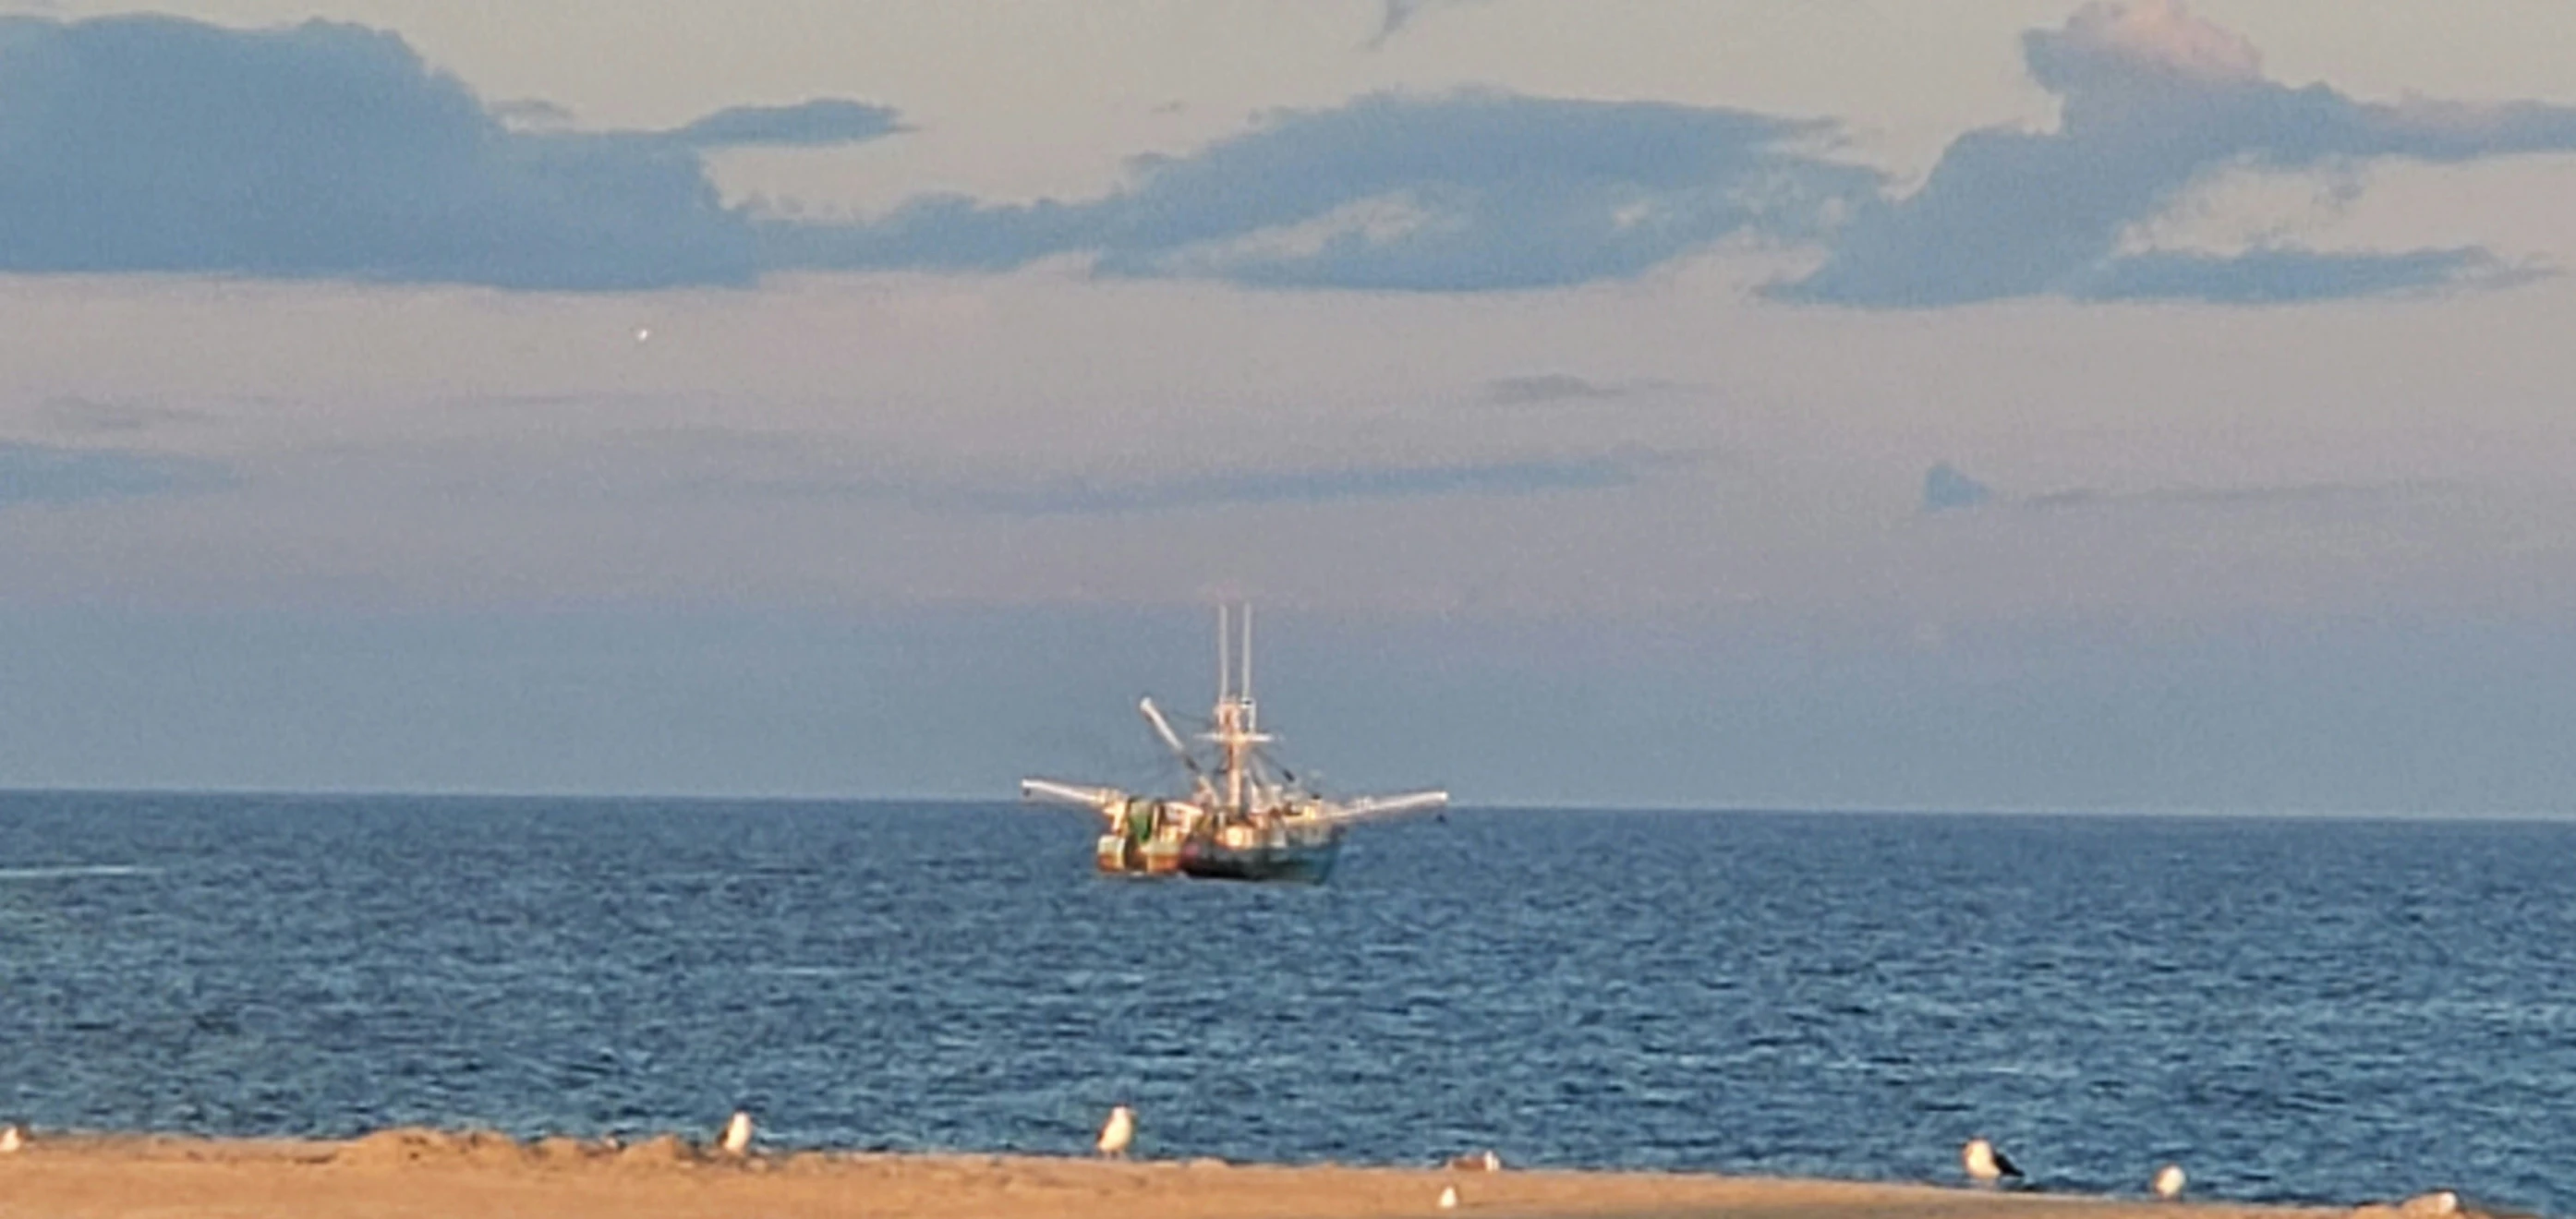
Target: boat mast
column 1235, row 733
column 1242, row 713
column 1224, row 713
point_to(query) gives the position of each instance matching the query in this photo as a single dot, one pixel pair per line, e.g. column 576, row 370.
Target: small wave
column 77, row 872
column 802, row 971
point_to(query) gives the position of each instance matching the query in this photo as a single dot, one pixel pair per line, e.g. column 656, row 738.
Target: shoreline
column 403, row 1173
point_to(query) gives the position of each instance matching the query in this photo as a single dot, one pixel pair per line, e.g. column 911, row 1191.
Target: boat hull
column 1309, row 862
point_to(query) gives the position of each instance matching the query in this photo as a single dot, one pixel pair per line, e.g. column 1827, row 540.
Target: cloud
column 2153, row 101
column 818, row 123
column 2139, row 42
column 1541, row 388
column 531, row 114
column 45, row 474
column 796, row 475
column 322, row 150
column 78, row 416
column 1945, row 488
column 1535, row 476
column 2275, row 276
column 2259, row 495
column 1397, row 15
column 1466, row 191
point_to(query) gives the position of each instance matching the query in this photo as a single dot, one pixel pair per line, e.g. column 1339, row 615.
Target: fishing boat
column 1246, row 817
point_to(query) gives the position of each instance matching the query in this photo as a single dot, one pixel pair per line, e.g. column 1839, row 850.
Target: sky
column 2126, row 405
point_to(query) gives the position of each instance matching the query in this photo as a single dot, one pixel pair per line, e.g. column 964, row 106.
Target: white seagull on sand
column 2169, row 1181
column 737, row 1134
column 1449, row 1198
column 1118, row 1131
column 12, row 1137
column 1986, row 1165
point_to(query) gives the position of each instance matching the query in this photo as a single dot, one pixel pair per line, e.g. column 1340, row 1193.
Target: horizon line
column 2190, row 812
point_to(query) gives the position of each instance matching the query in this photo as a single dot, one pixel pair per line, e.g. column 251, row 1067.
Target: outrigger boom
column 1246, row 818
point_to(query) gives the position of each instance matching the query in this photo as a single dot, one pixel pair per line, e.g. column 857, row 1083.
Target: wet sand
column 403, row 1174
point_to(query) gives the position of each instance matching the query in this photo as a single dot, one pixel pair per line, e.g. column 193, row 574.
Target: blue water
column 2294, row 1009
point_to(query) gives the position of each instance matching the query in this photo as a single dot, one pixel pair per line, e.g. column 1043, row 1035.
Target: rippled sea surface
column 2294, row 1009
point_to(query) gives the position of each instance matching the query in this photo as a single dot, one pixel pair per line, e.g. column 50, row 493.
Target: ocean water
column 2294, row 1009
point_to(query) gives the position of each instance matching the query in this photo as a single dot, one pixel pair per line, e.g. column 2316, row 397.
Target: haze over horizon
column 1873, row 405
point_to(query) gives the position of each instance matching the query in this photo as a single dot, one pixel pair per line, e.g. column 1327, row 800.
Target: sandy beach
column 402, row 1174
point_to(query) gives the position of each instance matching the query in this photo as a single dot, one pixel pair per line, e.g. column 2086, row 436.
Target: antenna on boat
column 1224, row 663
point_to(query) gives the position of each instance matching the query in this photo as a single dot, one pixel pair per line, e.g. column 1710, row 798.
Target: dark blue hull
column 1303, row 862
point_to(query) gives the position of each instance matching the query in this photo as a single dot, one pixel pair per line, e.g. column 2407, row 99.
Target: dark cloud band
column 1284, row 485
column 153, row 144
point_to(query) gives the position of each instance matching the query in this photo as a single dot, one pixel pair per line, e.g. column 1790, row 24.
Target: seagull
column 1118, row 1132
column 1449, row 1198
column 2168, row 1182
column 737, row 1134
column 12, row 1137
column 1478, row 1161
column 1986, row 1165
